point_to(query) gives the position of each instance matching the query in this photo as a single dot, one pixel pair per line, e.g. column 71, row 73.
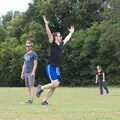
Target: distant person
column 100, row 78
column 56, row 43
column 29, row 71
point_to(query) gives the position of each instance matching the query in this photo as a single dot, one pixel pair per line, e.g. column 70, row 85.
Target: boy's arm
column 50, row 35
column 35, row 62
column 23, row 71
column 67, row 38
column 34, row 68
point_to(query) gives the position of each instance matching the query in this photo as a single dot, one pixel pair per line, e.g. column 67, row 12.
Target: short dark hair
column 55, row 34
column 29, row 42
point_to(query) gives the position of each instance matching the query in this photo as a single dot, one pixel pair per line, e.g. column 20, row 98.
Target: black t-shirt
column 100, row 75
column 55, row 54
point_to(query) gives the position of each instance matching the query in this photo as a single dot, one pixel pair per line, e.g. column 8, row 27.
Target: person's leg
column 52, row 72
column 29, row 95
column 105, row 87
column 27, row 86
column 54, row 75
column 50, row 91
column 32, row 92
column 101, row 87
column 29, row 92
column 40, row 88
column 48, row 94
column 47, row 86
column 50, row 86
column 31, row 89
column 54, row 85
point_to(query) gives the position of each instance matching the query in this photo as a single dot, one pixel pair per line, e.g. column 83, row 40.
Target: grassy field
column 65, row 104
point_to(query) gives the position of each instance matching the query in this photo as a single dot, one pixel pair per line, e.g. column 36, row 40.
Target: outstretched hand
column 45, row 20
column 71, row 29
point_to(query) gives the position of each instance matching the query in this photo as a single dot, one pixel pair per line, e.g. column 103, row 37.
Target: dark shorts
column 29, row 80
column 53, row 72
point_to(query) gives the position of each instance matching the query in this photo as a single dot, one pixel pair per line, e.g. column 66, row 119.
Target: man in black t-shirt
column 53, row 68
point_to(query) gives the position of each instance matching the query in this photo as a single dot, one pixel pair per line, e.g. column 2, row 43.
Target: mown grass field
column 65, row 104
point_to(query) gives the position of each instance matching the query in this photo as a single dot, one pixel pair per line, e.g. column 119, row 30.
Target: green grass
column 65, row 104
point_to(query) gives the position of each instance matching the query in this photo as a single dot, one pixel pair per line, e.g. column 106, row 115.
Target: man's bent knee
column 55, row 84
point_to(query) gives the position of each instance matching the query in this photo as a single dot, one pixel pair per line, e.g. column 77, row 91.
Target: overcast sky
column 7, row 5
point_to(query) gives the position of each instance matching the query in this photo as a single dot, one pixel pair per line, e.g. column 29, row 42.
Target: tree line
column 96, row 40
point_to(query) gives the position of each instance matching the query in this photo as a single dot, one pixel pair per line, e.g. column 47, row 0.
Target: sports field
column 65, row 104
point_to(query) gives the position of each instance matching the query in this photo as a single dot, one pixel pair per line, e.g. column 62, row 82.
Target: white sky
column 8, row 5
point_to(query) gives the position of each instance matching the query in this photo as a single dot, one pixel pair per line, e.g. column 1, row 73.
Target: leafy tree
column 96, row 40
column 3, row 33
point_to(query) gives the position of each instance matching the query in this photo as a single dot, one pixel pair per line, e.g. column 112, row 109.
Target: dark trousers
column 103, row 85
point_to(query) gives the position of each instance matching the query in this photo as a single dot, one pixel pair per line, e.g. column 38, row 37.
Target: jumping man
column 53, row 68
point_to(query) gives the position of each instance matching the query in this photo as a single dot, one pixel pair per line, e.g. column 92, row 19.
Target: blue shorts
column 53, row 72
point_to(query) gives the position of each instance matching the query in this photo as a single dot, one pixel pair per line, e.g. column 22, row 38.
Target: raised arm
column 71, row 31
column 50, row 36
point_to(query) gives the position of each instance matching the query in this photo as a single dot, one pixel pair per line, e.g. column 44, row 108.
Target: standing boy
column 29, row 71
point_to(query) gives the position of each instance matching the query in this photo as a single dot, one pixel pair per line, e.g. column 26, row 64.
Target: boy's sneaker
column 38, row 90
column 44, row 103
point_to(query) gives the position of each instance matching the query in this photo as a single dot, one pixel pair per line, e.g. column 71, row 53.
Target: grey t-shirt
column 29, row 61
